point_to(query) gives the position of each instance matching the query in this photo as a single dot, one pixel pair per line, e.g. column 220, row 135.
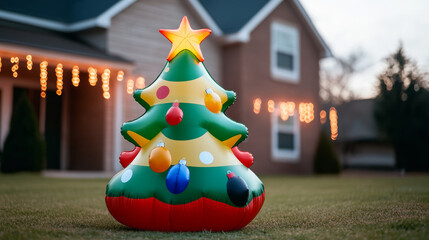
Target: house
column 360, row 144
column 266, row 51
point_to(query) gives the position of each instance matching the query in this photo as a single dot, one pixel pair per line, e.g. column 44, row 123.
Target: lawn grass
column 326, row 207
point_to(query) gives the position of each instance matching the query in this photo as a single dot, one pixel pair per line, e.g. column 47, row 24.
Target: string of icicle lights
column 286, row 109
column 305, row 112
column 93, row 76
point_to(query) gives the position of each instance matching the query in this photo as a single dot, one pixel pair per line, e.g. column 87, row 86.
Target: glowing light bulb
column 105, row 79
column 323, row 117
column 290, row 108
column 140, row 83
column 92, row 72
column 271, row 106
column 306, row 112
column 333, row 118
column 59, row 74
column 43, row 78
column 284, row 115
column 257, row 105
column 130, row 86
column 106, row 95
column 29, row 62
column 0, row 64
column 15, row 67
column 120, row 76
column 75, row 76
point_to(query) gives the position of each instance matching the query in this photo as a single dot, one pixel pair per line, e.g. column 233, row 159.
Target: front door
column 53, row 130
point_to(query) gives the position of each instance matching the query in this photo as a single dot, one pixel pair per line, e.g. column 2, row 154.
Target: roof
column 356, row 121
column 66, row 16
column 221, row 16
column 43, row 39
column 69, row 11
column 224, row 12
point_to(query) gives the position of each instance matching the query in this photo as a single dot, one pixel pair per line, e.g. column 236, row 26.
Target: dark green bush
column 326, row 159
column 24, row 149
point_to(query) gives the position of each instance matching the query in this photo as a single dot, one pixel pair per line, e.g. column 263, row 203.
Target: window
column 284, row 52
column 285, row 137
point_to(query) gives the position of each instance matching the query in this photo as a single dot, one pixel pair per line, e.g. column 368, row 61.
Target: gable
column 224, row 12
column 223, row 18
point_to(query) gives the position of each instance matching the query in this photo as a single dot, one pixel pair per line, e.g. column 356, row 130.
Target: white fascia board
column 258, row 18
column 82, row 25
column 327, row 52
column 243, row 35
column 239, row 37
column 206, row 17
column 102, row 20
column 34, row 21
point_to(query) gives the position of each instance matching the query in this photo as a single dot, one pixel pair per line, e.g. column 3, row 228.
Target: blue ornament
column 178, row 177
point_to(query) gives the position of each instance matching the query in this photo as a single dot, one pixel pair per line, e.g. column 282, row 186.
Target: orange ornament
column 212, row 101
column 159, row 158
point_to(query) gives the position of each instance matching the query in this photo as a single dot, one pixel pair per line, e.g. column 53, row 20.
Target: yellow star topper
column 185, row 38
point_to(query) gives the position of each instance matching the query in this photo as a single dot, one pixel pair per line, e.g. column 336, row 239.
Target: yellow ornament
column 212, row 101
column 159, row 158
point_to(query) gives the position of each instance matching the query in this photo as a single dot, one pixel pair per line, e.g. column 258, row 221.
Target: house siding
column 134, row 34
column 252, row 78
column 232, row 66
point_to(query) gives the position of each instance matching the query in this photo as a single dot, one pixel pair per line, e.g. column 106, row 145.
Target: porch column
column 6, row 109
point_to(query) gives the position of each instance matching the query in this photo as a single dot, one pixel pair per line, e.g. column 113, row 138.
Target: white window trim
column 283, row 74
column 281, row 155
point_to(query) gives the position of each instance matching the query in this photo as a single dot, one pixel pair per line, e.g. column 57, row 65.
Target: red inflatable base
column 202, row 214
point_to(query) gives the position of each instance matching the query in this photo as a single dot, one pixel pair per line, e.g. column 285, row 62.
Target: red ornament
column 174, row 115
column 245, row 158
column 128, row 156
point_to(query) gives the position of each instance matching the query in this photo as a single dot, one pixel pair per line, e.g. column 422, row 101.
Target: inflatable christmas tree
column 186, row 172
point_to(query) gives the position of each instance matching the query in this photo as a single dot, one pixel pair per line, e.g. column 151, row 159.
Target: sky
column 374, row 27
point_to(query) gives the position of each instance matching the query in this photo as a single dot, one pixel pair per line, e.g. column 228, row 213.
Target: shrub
column 24, row 149
column 326, row 159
